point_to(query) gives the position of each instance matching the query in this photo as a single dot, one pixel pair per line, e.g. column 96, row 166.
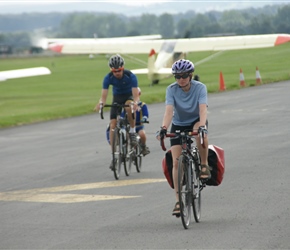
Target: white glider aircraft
column 46, row 42
column 168, row 50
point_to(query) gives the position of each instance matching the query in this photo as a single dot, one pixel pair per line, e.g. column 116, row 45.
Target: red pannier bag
column 167, row 166
column 216, row 161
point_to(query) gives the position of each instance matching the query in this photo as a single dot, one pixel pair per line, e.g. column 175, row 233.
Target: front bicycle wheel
column 184, row 191
column 196, row 201
column 117, row 160
column 127, row 167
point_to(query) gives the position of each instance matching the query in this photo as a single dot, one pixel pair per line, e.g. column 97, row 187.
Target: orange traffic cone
column 222, row 82
column 242, row 79
column 258, row 76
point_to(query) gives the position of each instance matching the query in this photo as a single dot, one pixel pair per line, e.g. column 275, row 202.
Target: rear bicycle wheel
column 138, row 159
column 196, row 201
column 135, row 157
column 184, row 191
column 117, row 160
column 131, row 158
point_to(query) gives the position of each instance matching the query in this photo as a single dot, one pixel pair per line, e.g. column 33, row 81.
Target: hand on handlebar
column 160, row 135
column 202, row 132
column 100, row 107
column 162, row 132
column 144, row 120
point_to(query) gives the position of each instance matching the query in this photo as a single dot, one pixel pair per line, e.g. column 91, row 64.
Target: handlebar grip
column 101, row 111
column 144, row 121
column 162, row 144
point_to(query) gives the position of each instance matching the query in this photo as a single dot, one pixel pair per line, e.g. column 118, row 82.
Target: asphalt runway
column 57, row 192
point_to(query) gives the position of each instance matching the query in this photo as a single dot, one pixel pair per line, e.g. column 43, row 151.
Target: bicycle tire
column 117, row 160
column 131, row 158
column 196, row 198
column 127, row 167
column 138, row 159
column 184, row 191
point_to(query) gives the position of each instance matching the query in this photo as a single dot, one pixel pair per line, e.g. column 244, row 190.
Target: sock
column 132, row 130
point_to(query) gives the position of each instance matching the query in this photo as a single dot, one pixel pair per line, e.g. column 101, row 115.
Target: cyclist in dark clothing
column 125, row 91
column 142, row 115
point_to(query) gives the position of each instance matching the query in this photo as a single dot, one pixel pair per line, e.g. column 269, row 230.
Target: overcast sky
column 132, row 7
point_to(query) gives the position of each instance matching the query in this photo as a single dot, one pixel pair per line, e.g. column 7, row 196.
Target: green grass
column 74, row 87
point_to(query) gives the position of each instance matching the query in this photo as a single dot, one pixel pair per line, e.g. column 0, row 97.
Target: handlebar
column 115, row 105
column 144, row 121
column 187, row 134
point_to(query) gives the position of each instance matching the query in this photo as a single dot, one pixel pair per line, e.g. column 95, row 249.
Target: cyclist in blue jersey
column 142, row 115
column 124, row 84
column 186, row 109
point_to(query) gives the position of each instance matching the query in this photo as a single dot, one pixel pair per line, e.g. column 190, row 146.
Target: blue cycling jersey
column 121, row 86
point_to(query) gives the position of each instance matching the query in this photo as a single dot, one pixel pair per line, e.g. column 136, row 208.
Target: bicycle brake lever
column 101, row 111
column 201, row 136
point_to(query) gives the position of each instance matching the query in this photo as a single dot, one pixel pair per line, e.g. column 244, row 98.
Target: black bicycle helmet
column 116, row 62
column 182, row 66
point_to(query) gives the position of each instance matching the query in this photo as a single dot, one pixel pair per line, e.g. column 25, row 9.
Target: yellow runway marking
column 54, row 194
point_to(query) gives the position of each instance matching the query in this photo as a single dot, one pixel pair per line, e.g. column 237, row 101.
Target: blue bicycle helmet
column 182, row 66
column 116, row 62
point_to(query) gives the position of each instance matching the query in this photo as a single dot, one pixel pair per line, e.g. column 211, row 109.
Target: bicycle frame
column 119, row 141
column 189, row 184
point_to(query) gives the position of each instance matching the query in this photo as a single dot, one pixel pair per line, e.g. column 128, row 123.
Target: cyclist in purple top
column 125, row 90
column 186, row 109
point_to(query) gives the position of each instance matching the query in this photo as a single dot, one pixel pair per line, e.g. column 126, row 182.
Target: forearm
column 135, row 94
column 167, row 118
column 202, row 115
column 103, row 96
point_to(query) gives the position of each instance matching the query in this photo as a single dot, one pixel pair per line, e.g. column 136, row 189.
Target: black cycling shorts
column 120, row 99
column 174, row 128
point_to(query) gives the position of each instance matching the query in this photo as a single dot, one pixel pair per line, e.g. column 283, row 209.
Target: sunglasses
column 184, row 76
column 117, row 70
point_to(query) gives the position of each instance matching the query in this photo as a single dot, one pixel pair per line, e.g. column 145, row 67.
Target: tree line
column 19, row 31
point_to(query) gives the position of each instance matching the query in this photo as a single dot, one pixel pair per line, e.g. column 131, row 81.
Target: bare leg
column 203, row 150
column 176, row 152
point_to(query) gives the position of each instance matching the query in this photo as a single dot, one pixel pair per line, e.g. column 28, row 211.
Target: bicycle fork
column 195, row 182
column 123, row 143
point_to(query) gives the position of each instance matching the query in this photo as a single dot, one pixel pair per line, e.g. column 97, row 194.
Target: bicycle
column 189, row 184
column 135, row 154
column 120, row 140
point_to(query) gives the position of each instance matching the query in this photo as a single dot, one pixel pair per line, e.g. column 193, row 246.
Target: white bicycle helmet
column 182, row 66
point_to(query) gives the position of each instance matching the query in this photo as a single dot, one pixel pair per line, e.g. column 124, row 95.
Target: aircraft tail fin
column 151, row 61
